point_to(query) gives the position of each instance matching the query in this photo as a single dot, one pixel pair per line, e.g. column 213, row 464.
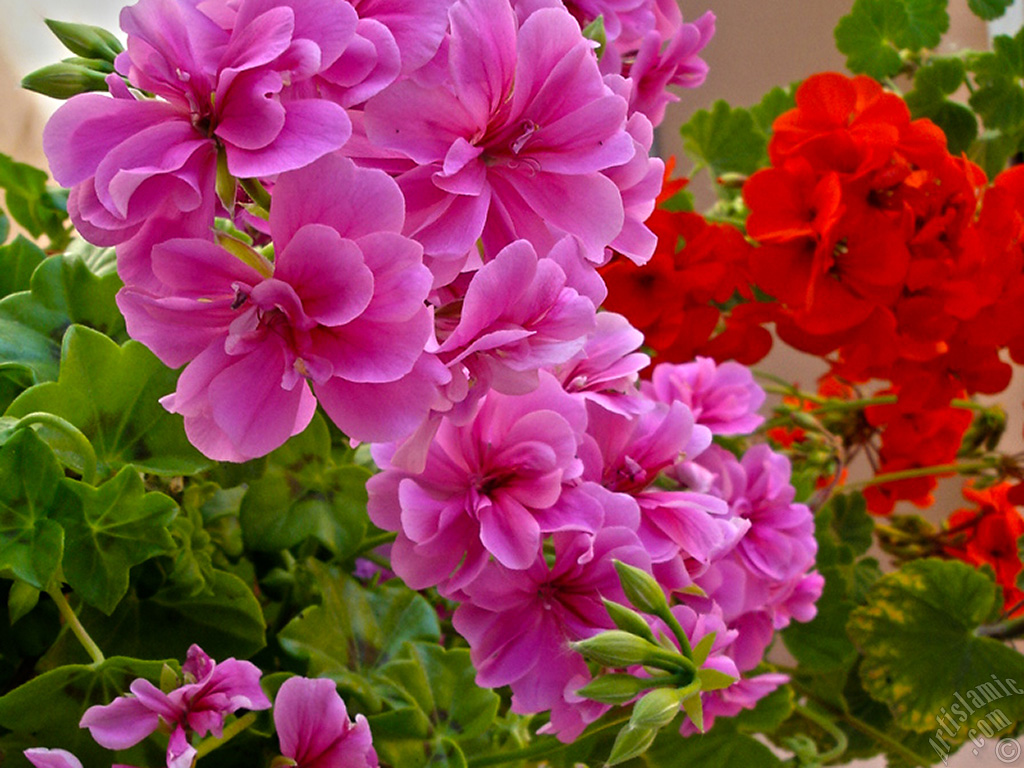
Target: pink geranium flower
column 518, row 315
column 212, row 692
column 493, row 486
column 513, row 142
column 341, row 308
column 519, row 623
column 723, row 396
column 142, row 170
column 314, row 730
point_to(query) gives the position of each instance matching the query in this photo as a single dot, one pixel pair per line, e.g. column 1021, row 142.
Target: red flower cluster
column 987, row 535
column 678, row 298
column 875, row 244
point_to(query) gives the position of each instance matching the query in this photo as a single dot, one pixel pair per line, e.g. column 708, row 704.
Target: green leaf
column 47, row 709
column 927, row 22
column 108, row 530
column 725, row 139
column 1000, row 103
column 5, row 227
column 721, row 747
column 768, row 714
column 224, row 619
column 775, row 102
column 919, row 645
column 18, row 260
column 112, row 395
column 867, row 36
column 933, row 83
column 30, row 542
column 989, row 9
column 993, row 150
column 21, row 600
column 455, row 710
column 303, row 494
column 822, row 644
column 38, row 210
column 63, row 290
column 354, row 629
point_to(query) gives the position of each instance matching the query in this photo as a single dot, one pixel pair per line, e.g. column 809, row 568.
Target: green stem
column 54, row 591
column 673, row 623
column 65, row 427
column 257, row 192
column 1004, row 630
column 543, row 748
column 907, row 474
column 373, row 542
column 887, row 742
column 842, row 742
column 206, row 746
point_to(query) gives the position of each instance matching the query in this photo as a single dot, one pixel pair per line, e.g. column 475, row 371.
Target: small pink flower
column 723, row 397
column 314, row 730
column 199, row 706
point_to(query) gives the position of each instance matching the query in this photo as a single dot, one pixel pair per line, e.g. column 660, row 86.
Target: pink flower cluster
column 382, row 207
column 521, row 507
column 395, row 211
column 311, row 721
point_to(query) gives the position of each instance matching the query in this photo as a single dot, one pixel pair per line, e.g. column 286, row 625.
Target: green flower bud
column 64, row 80
column 614, row 689
column 628, row 621
column 86, row 40
column 641, row 589
column 631, row 742
column 616, row 648
column 656, row 709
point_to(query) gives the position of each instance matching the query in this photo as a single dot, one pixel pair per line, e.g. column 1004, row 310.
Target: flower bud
column 631, row 742
column 656, row 709
column 641, row 589
column 614, row 689
column 628, row 620
column 86, row 40
column 64, row 80
column 616, row 648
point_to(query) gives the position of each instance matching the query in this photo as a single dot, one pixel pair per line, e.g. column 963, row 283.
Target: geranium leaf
column 725, row 139
column 18, row 260
column 867, row 36
column 109, row 529
column 933, row 83
column 355, row 630
column 919, row 645
column 63, row 290
column 112, row 395
column 989, row 9
column 37, row 209
column 304, row 494
column 31, row 543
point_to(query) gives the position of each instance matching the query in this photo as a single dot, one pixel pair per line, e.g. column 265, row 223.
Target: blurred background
column 758, row 44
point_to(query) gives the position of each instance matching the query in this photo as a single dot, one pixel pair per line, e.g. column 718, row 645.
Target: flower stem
column 962, row 467
column 842, row 742
column 540, row 749
column 257, row 192
column 206, row 746
column 65, row 427
column 375, row 541
column 1004, row 630
column 54, row 591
